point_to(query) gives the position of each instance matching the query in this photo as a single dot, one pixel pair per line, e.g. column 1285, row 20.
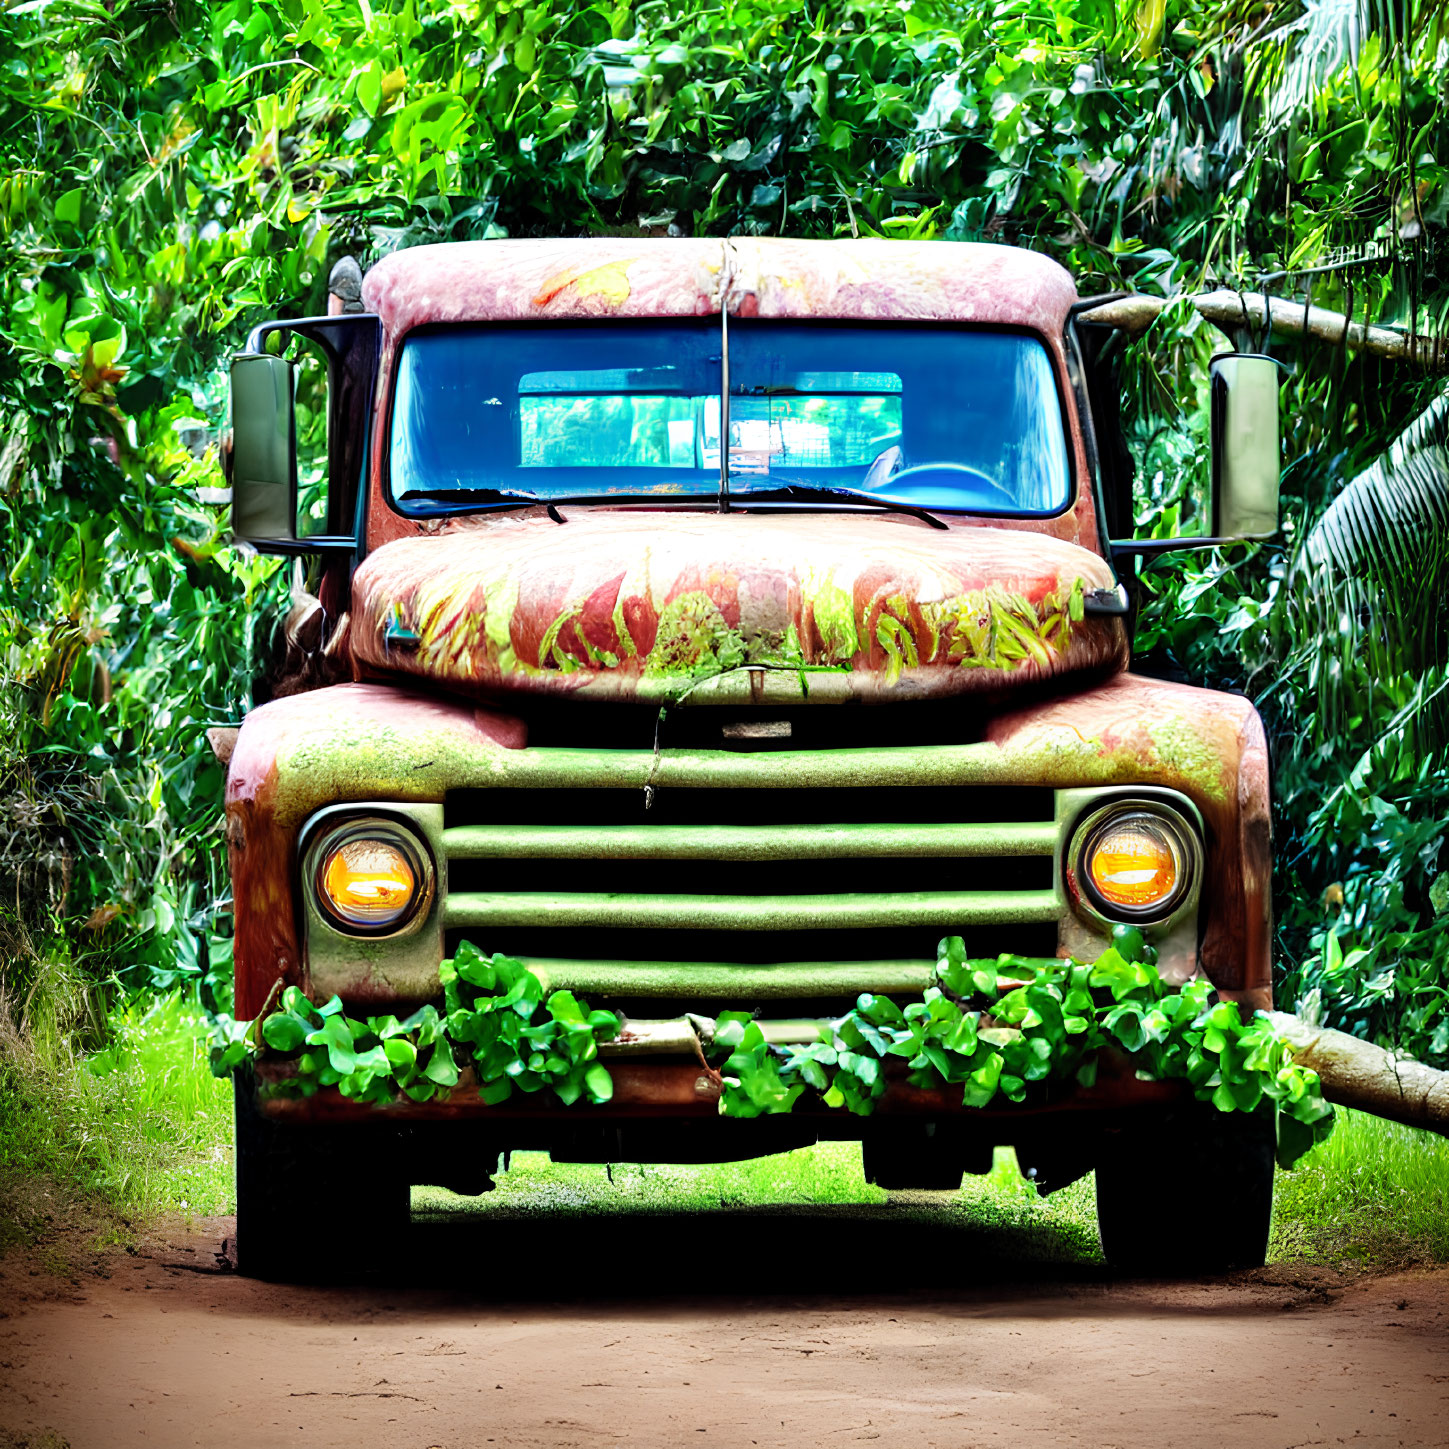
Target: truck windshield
column 938, row 418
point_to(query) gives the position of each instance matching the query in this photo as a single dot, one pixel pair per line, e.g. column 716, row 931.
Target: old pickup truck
column 716, row 624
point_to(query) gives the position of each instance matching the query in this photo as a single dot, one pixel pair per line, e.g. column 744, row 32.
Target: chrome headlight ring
column 1170, row 826
column 371, row 848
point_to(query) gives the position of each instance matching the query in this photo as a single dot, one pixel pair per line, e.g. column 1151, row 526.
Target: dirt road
column 798, row 1329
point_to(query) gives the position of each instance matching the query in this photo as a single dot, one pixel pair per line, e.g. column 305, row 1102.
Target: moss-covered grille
column 751, row 894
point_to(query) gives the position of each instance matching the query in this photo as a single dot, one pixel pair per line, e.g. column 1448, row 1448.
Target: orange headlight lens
column 368, row 883
column 1135, row 864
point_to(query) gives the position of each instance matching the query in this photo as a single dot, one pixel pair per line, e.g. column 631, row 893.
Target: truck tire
column 1191, row 1195
column 313, row 1202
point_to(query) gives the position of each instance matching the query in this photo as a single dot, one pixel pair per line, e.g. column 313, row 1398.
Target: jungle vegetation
column 170, row 174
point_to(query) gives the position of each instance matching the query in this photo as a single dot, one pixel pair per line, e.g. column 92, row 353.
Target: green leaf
column 401, row 1053
column 337, row 1038
column 369, row 88
column 68, row 205
column 1129, row 942
column 564, row 1006
column 599, row 1083
column 284, row 1032
column 980, row 1086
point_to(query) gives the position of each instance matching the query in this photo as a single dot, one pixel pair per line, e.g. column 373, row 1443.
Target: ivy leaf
column 335, row 1036
column 284, row 1032
column 474, row 968
column 563, row 1006
column 401, row 1053
column 1125, row 1023
column 599, row 1083
column 981, row 1085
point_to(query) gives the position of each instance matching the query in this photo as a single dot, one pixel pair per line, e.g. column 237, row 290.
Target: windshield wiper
column 788, row 493
column 818, row 492
column 500, row 496
column 467, row 495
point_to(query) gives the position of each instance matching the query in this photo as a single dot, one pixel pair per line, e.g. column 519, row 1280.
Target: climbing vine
column 495, row 1020
column 1006, row 1028
column 1009, row 1027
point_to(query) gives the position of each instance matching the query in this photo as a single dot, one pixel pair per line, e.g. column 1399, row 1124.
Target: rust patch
column 645, row 606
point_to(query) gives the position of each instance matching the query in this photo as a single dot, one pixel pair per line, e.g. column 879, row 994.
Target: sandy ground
column 758, row 1330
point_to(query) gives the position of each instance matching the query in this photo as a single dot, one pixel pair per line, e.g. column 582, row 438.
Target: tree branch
column 1356, row 1073
column 1234, row 311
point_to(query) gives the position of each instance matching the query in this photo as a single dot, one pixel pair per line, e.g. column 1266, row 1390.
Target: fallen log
column 1356, row 1073
column 1253, row 311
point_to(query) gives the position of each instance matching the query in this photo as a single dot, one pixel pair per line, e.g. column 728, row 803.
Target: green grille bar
column 728, row 981
column 943, row 910
column 744, row 842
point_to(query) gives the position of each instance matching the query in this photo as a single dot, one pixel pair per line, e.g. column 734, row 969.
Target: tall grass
column 1375, row 1194
column 133, row 1129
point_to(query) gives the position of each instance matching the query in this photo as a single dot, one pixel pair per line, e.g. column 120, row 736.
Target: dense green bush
column 171, row 173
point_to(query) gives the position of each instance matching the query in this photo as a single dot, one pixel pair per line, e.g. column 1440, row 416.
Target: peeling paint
column 520, row 279
column 615, row 606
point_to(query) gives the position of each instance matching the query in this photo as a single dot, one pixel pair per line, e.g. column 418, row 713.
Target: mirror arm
column 1148, row 547
column 323, row 543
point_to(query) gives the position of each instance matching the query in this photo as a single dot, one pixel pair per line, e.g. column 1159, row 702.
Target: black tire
column 1191, row 1195
column 313, row 1202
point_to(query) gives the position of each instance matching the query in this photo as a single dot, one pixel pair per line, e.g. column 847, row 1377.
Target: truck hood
column 730, row 608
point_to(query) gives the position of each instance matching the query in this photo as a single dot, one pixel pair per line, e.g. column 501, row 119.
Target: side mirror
column 1245, row 447
column 329, row 398
column 264, row 449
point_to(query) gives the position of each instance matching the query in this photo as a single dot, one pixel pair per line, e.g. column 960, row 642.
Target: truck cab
column 715, row 626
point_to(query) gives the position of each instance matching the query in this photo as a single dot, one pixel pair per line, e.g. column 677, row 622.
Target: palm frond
column 1367, row 619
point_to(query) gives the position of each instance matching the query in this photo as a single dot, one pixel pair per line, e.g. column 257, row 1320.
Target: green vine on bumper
column 1052, row 1027
column 1007, row 1028
column 496, row 1020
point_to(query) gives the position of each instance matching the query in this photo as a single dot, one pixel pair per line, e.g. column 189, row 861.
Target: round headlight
column 1135, row 864
column 370, row 878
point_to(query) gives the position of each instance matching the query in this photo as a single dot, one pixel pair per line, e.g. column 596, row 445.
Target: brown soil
column 765, row 1330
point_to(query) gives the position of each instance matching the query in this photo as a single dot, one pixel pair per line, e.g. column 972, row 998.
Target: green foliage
column 497, row 1020
column 969, row 1032
column 136, row 1128
column 517, row 1040
column 1035, row 1021
column 170, row 175
column 1374, row 1195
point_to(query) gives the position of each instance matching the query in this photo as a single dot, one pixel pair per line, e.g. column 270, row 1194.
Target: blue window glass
column 936, row 417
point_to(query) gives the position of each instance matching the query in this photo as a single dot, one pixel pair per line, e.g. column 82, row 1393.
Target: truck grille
column 709, row 896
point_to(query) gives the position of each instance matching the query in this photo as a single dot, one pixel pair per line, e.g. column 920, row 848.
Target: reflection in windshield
column 936, row 417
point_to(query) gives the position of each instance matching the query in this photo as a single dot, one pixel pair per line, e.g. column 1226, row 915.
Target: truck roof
column 869, row 279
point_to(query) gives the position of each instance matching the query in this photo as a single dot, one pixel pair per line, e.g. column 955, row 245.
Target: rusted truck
column 718, row 624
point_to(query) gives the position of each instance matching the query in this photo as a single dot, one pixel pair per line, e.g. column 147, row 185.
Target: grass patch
column 1375, row 1195
column 137, row 1128
column 1000, row 1209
